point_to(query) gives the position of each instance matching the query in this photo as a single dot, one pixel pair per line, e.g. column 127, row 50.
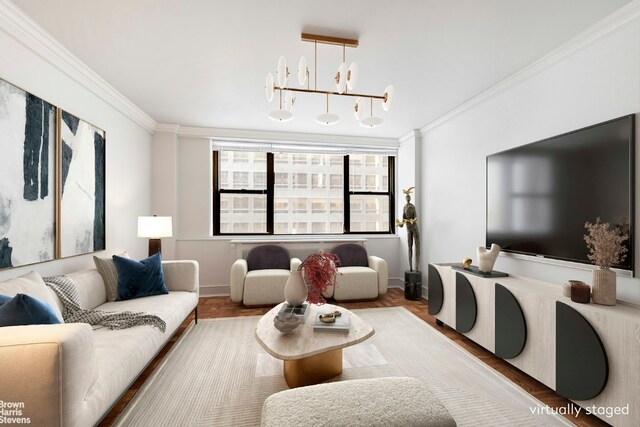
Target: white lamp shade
column 280, row 115
column 154, row 227
column 328, row 119
column 389, row 94
column 289, row 101
column 302, row 71
column 282, row 73
column 357, row 108
column 352, row 76
column 268, row 87
column 341, row 78
column 371, row 122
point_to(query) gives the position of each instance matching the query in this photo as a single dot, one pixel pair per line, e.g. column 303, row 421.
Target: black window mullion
column 346, row 196
column 216, row 194
column 391, row 185
column 271, row 179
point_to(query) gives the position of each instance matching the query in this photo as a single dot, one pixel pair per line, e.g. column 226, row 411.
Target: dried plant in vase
column 605, row 244
column 319, row 270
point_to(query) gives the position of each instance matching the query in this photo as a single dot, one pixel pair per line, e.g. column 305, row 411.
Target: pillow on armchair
column 267, row 257
column 351, row 255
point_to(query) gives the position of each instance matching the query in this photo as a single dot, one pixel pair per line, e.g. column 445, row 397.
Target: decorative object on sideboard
column 487, row 259
column 466, row 263
column 319, row 271
column 154, row 228
column 566, row 290
column 295, row 290
column 345, row 81
column 580, row 292
column 286, row 322
column 605, row 249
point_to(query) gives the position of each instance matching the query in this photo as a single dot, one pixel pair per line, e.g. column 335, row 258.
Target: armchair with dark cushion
column 362, row 276
column 260, row 278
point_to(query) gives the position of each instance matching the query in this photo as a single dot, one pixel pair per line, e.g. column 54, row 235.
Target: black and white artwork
column 27, row 184
column 82, row 211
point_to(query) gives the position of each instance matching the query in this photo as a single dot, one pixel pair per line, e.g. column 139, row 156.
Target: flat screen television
column 540, row 195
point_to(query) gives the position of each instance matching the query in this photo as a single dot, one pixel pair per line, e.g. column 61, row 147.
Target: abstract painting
column 82, row 203
column 27, row 184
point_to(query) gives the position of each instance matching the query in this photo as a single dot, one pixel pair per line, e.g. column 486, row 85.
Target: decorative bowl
column 286, row 322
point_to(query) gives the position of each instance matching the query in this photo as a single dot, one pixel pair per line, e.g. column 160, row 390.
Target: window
column 302, row 193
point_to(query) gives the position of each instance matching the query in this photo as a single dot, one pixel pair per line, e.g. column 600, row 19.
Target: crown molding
column 167, row 127
column 273, row 136
column 415, row 133
column 18, row 25
column 597, row 31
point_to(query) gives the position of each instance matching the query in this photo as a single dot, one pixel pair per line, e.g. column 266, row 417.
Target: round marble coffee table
column 310, row 357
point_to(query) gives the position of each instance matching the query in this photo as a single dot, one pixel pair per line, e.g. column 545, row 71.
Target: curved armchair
column 260, row 278
column 362, row 276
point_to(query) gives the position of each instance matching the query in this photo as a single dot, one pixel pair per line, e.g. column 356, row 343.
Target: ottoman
column 393, row 401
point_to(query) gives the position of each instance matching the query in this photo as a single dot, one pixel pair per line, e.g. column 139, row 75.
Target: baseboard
column 214, row 290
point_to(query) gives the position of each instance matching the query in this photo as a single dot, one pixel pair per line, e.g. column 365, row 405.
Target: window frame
column 269, row 192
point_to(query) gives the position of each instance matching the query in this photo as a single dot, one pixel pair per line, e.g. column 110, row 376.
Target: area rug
column 218, row 375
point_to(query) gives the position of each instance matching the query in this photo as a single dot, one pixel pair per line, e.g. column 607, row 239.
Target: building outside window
column 306, row 194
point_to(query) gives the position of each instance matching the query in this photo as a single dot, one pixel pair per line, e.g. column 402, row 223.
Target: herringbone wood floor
column 211, row 307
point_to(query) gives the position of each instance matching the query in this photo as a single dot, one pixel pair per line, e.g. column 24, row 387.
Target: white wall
column 127, row 146
column 598, row 82
column 192, row 210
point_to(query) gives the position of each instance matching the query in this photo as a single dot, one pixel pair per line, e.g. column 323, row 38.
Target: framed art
column 27, row 178
column 81, row 186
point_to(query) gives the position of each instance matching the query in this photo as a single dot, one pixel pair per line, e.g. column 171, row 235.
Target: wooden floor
column 210, row 307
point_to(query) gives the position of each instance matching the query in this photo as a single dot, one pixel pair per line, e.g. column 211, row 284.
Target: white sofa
column 70, row 375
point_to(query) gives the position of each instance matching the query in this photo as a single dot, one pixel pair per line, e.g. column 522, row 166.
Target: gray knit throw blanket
column 67, row 291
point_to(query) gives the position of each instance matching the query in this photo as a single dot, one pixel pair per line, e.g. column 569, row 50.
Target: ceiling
column 204, row 62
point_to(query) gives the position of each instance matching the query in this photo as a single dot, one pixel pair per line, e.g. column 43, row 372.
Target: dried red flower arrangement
column 319, row 271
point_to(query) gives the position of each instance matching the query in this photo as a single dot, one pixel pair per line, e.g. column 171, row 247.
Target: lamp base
column 155, row 247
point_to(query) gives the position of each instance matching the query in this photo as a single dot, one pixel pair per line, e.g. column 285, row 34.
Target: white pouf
column 393, row 401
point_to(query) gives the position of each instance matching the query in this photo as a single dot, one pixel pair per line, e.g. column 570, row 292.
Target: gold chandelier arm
column 361, row 95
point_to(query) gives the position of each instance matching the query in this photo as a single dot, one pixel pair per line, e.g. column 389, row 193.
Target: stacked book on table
column 340, row 325
column 300, row 311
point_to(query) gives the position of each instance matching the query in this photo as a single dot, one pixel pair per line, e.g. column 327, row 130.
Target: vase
column 295, row 291
column 604, row 286
column 487, row 258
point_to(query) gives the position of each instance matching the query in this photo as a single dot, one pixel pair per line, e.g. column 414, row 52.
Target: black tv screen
column 540, row 195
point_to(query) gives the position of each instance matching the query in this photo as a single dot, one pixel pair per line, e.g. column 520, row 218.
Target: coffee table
column 309, row 356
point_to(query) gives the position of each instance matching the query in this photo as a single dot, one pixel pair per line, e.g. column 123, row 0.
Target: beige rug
column 217, row 375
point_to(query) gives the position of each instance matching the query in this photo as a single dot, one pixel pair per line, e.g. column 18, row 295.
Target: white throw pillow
column 31, row 284
column 107, row 270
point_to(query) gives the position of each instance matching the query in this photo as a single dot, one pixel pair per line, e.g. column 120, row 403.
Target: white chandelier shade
column 389, row 95
column 371, row 122
column 269, row 89
column 357, row 108
column 282, row 73
column 328, row 119
column 303, row 71
column 341, row 78
column 352, row 76
column 280, row 115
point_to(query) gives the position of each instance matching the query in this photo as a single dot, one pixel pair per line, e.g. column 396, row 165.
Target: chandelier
column 345, row 83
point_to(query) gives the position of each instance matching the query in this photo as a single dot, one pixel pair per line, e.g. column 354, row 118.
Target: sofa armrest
column 239, row 270
column 295, row 263
column 182, row 275
column 49, row 368
column 381, row 267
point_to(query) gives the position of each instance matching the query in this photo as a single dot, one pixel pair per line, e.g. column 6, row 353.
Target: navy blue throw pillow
column 25, row 310
column 138, row 279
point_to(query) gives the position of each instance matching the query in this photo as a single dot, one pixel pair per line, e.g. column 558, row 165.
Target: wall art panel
column 27, row 171
column 82, row 192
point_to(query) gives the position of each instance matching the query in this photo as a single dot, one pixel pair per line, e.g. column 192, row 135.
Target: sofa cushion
column 107, row 269
column 264, row 286
column 91, row 289
column 31, row 284
column 138, row 279
column 351, row 255
column 268, row 257
column 25, row 310
column 356, row 283
column 122, row 354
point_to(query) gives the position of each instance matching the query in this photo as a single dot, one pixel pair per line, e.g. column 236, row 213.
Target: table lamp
column 154, row 228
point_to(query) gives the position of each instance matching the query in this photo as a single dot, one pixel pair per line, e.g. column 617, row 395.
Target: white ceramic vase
column 295, row 291
column 487, row 258
column 603, row 287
